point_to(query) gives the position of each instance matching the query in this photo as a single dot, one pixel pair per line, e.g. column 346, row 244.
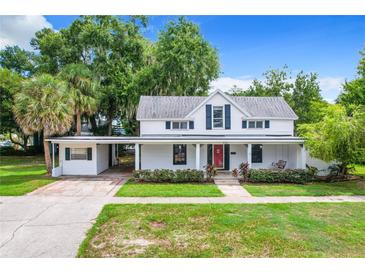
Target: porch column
column 53, row 161
column 197, row 156
column 303, row 157
column 136, row 156
column 249, row 152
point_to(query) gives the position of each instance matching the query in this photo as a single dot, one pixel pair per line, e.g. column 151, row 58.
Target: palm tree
column 82, row 87
column 42, row 104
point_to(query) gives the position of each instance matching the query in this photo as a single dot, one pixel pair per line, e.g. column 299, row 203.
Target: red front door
column 218, row 156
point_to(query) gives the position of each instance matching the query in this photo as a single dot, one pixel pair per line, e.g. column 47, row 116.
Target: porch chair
column 279, row 165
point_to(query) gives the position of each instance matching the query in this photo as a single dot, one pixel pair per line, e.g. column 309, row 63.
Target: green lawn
column 132, row 189
column 22, row 174
column 360, row 170
column 227, row 230
column 315, row 189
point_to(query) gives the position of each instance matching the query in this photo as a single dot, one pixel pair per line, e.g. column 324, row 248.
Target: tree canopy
column 302, row 93
column 124, row 63
column 337, row 136
column 42, row 103
column 353, row 93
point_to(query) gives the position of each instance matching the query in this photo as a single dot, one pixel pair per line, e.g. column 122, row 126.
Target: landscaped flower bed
column 298, row 176
column 169, row 176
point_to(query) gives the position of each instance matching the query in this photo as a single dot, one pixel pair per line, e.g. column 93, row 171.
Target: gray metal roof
column 177, row 107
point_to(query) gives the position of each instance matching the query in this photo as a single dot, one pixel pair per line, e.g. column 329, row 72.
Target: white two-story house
column 181, row 132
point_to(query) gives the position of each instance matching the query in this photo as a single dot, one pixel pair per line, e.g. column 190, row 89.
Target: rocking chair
column 280, row 164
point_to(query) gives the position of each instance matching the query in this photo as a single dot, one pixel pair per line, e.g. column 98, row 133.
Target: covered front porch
column 92, row 155
column 222, row 155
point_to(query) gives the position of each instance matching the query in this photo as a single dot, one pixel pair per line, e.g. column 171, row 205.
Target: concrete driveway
column 52, row 221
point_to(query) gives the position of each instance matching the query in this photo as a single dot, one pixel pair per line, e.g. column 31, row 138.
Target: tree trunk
column 47, row 157
column 110, row 126
column 94, row 126
column 25, row 142
column 78, row 124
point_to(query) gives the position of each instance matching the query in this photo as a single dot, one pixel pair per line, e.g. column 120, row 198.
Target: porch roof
column 190, row 139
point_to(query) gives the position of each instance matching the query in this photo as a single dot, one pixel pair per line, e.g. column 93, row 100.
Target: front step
column 226, row 181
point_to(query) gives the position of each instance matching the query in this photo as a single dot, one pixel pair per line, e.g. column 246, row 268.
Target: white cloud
column 331, row 87
column 226, row 83
column 19, row 30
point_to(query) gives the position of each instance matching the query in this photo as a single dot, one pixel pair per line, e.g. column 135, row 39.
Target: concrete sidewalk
column 235, row 200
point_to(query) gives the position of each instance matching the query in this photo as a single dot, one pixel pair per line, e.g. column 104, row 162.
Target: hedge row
column 168, row 175
column 11, row 151
column 298, row 176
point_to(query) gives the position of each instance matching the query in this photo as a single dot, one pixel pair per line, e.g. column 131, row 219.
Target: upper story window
column 217, row 116
column 176, row 125
column 179, row 125
column 256, row 124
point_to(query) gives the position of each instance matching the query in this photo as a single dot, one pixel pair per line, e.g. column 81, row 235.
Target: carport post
column 136, row 156
column 249, row 155
column 53, row 162
column 197, row 156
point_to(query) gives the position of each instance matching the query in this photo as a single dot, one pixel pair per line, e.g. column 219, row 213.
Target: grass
column 133, row 189
column 359, row 170
column 228, row 230
column 314, row 189
column 22, row 174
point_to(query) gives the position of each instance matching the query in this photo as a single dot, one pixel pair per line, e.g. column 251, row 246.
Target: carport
column 86, row 155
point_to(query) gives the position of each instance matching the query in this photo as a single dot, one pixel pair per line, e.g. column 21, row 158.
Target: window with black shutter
column 89, row 154
column 191, row 124
column 67, row 154
column 256, row 153
column 168, row 125
column 267, row 123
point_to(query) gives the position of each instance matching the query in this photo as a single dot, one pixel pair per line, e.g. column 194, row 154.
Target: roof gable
column 226, row 97
column 180, row 107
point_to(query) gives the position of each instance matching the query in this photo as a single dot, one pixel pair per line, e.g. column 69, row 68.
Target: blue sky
column 249, row 45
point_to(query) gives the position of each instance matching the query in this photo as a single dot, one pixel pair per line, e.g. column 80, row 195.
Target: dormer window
column 218, row 117
column 256, row 124
column 176, row 125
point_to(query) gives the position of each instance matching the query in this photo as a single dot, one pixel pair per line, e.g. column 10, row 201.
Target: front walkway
column 53, row 221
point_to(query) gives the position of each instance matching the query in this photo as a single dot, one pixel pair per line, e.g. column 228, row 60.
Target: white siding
column 102, row 158
column 277, row 126
column 78, row 167
column 239, row 157
column 161, row 156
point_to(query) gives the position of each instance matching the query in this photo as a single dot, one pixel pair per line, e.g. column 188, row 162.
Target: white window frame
column 80, row 149
column 180, row 128
column 255, row 121
column 223, row 118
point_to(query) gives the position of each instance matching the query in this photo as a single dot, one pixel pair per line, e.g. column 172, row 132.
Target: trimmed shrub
column 11, row 151
column 298, row 176
column 169, row 176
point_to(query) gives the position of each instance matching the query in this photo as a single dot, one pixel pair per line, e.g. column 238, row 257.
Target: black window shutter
column 227, row 116
column 89, row 153
column 244, row 124
column 226, row 156
column 67, row 154
column 191, row 124
column 267, row 123
column 209, row 154
column 208, row 114
column 168, row 125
